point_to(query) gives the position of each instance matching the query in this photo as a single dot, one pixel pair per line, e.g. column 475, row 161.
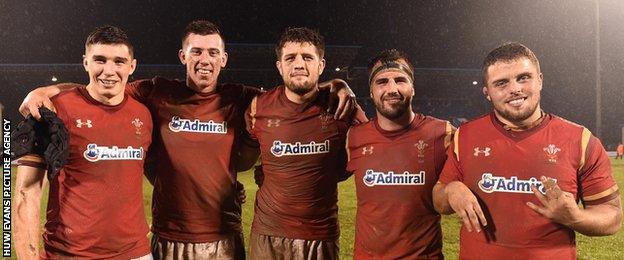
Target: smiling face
column 204, row 56
column 513, row 87
column 392, row 92
column 108, row 66
column 300, row 66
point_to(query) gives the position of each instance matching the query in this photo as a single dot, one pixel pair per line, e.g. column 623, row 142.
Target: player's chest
column 503, row 166
column 300, row 135
column 202, row 123
column 398, row 167
column 99, row 137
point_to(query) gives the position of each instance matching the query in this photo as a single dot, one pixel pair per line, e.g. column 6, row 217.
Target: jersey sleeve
column 596, row 180
column 248, row 94
column 141, row 89
column 452, row 169
column 446, row 141
column 31, row 160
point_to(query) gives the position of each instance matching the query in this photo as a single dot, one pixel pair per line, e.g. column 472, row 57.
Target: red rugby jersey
column 195, row 194
column 499, row 166
column 394, row 175
column 303, row 155
column 95, row 206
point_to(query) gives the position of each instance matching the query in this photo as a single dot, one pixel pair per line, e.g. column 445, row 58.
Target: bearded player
column 396, row 159
column 95, row 205
column 515, row 176
column 303, row 157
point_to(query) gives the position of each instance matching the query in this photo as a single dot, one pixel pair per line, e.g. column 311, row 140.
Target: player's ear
column 279, row 68
column 182, row 56
column 133, row 66
column 321, row 66
column 485, row 93
column 85, row 63
column 224, row 59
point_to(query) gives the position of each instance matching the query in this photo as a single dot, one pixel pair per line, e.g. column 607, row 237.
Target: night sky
column 446, row 40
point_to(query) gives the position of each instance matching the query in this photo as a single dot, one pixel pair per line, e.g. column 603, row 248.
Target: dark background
column 446, row 40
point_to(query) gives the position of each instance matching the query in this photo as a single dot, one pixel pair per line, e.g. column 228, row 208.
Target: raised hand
column 557, row 205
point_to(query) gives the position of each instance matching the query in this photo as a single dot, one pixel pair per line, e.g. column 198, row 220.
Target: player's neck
column 109, row 101
column 301, row 99
column 532, row 121
column 199, row 89
column 396, row 124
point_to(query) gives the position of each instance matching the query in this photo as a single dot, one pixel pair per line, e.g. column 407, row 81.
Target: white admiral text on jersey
column 280, row 149
column 490, row 183
column 373, row 178
column 96, row 153
column 178, row 124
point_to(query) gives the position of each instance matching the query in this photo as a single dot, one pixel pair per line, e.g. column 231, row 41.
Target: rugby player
column 302, row 154
column 199, row 146
column 515, row 175
column 396, row 158
column 95, row 204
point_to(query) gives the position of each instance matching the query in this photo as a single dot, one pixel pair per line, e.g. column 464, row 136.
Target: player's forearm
column 333, row 82
column 600, row 220
column 26, row 206
column 440, row 199
column 54, row 90
column 26, row 232
column 246, row 157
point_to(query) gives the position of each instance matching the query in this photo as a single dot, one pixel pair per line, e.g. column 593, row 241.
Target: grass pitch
column 587, row 247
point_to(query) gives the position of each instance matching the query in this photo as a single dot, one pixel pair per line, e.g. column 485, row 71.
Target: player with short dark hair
column 515, row 175
column 195, row 208
column 302, row 154
column 200, row 27
column 301, row 34
column 95, row 205
column 396, row 159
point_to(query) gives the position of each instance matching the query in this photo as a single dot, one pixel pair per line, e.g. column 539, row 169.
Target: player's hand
column 258, row 175
column 557, row 205
column 340, row 92
column 466, row 205
column 33, row 101
column 242, row 195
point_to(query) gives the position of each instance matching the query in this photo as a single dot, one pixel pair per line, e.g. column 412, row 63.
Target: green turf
column 610, row 247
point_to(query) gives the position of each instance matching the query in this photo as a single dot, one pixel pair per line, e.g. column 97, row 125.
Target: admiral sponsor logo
column 373, row 178
column 490, row 183
column 96, row 153
column 178, row 124
column 280, row 149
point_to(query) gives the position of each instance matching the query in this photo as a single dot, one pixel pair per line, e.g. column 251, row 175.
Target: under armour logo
column 79, row 123
column 485, row 151
column 367, row 150
column 273, row 122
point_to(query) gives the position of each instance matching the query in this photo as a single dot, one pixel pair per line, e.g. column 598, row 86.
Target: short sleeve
column 596, row 179
column 452, row 169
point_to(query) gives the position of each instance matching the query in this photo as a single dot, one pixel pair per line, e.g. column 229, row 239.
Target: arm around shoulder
column 41, row 97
